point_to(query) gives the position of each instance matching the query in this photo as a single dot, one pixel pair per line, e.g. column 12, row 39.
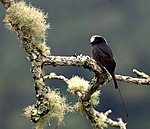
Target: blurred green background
column 125, row 24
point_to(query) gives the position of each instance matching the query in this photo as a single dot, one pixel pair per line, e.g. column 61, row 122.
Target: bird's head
column 96, row 39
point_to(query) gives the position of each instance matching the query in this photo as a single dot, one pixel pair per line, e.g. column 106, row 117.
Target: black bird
column 102, row 54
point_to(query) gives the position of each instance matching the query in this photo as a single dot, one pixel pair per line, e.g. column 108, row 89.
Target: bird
column 103, row 55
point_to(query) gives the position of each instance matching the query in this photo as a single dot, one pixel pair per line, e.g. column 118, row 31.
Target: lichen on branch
column 31, row 27
column 28, row 18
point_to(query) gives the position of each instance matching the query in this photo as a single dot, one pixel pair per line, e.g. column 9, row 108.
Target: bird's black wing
column 105, row 57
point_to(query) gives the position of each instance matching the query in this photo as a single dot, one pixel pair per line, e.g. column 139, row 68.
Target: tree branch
column 99, row 120
column 141, row 74
column 88, row 63
column 50, row 103
column 144, row 80
column 134, row 80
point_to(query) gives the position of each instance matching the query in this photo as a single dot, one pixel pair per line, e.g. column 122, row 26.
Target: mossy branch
column 31, row 27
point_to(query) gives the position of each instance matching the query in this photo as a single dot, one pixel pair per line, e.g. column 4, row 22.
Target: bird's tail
column 116, row 86
column 114, row 79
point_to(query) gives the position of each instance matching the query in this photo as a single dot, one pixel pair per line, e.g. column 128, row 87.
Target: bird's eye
column 96, row 39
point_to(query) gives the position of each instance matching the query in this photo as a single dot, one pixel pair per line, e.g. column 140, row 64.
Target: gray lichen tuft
column 30, row 25
column 53, row 106
column 95, row 98
column 78, row 84
column 30, row 18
